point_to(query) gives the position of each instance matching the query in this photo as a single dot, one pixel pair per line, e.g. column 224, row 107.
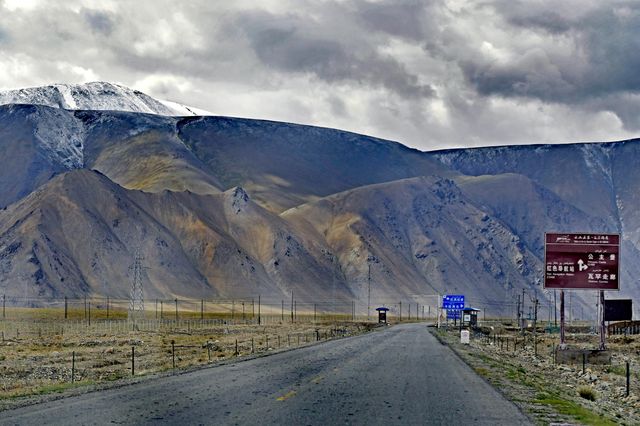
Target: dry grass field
column 41, row 352
column 548, row 391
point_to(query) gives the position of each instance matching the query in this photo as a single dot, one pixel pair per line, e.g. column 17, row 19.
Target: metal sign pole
column 603, row 345
column 562, row 343
column 438, row 311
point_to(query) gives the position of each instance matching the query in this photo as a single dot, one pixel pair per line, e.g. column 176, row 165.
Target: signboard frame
column 573, row 254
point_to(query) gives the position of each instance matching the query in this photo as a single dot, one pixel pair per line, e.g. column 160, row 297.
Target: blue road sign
column 453, row 314
column 453, row 301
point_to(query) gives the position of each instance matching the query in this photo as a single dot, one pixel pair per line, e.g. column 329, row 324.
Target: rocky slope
column 223, row 206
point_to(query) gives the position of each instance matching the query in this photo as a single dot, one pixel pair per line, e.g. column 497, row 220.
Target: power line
column 136, row 299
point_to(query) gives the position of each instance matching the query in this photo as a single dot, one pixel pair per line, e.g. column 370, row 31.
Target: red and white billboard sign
column 582, row 261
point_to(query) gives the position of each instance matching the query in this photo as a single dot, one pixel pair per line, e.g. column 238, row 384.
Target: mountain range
column 226, row 207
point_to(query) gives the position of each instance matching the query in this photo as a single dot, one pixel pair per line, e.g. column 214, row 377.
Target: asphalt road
column 400, row 375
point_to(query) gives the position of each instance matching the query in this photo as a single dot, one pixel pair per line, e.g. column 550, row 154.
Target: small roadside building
column 470, row 317
column 382, row 315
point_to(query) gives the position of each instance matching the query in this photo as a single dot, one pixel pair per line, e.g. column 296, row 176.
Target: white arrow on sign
column 582, row 266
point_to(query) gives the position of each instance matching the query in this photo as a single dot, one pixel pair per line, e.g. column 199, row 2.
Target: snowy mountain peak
column 96, row 96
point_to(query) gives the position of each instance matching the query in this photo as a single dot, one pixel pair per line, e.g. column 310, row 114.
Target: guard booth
column 470, row 317
column 382, row 315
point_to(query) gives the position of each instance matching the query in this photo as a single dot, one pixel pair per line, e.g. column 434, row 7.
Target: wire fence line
column 241, row 310
column 624, row 374
column 32, row 359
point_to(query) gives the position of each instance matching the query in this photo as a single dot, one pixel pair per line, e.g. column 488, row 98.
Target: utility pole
column 369, row 292
column 518, row 312
column 535, row 326
column 522, row 312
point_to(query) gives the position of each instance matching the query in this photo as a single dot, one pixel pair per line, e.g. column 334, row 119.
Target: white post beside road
column 438, row 310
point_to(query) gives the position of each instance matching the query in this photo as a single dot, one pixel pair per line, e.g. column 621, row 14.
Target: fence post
column 173, row 352
column 584, row 362
column 73, row 366
column 628, row 374
column 267, row 342
column 176, row 309
column 89, row 307
column 236, row 353
column 209, row 352
column 133, row 360
column 259, row 318
column 108, row 307
column 201, row 310
column 252, row 347
column 4, row 305
column 65, row 307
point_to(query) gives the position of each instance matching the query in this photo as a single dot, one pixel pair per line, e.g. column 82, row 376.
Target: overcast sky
column 430, row 74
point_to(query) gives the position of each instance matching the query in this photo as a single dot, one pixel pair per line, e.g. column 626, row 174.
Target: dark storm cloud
column 100, row 22
column 526, row 15
column 605, row 62
column 294, row 43
column 431, row 73
column 4, row 36
column 406, row 19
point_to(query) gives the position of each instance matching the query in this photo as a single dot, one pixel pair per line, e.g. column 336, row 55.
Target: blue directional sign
column 453, row 301
column 453, row 314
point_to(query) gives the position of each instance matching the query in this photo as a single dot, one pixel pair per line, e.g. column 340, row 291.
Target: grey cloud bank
column 429, row 74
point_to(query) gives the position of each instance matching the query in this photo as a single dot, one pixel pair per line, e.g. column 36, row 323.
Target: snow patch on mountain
column 181, row 109
column 61, row 136
column 598, row 159
column 96, row 96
